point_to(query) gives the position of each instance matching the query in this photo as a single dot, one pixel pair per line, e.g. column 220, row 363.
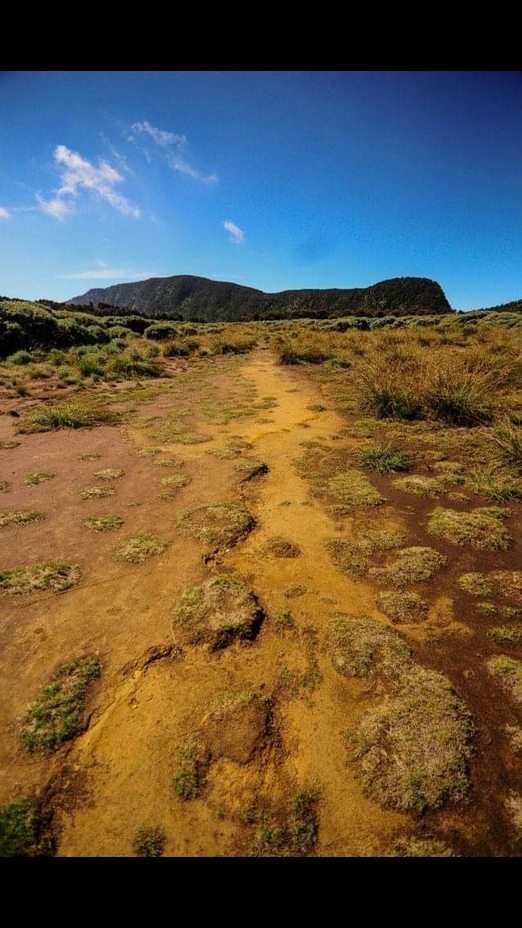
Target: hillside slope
column 200, row 299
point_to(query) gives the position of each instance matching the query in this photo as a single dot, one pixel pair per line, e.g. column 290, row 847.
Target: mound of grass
column 411, row 565
column 354, row 557
column 140, row 548
column 509, row 671
column 474, row 583
column 290, row 831
column 506, row 634
column 507, row 442
column 56, row 714
column 419, row 484
column 386, row 391
column 412, row 750
column 109, row 473
column 56, row 576
column 220, row 524
column 411, row 846
column 176, row 480
column 9, row 445
column 106, row 523
column 238, row 725
column 250, row 467
column 362, row 647
column 193, row 761
column 32, row 480
column 66, row 416
column 480, row 528
column 216, row 613
column 97, row 492
column 382, row 458
column 354, row 488
column 19, row 516
column 403, row 607
column 21, row 830
column 149, row 842
column 507, row 583
column 306, row 355
column 282, row 548
column 499, row 484
column 457, row 395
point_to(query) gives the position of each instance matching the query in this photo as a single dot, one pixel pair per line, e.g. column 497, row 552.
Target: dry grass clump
column 56, row 576
column 220, row 524
column 32, row 480
column 106, row 523
column 480, row 528
column 411, row 565
column 475, row 583
column 282, row 548
column 216, row 613
column 507, row 583
column 74, row 415
column 354, row 489
column 412, row 846
column 362, row 647
column 176, row 480
column 412, row 750
column 19, row 516
column 419, row 484
column 509, row 671
column 109, row 473
column 97, row 492
column 290, row 830
column 354, row 557
column 403, row 607
column 140, row 548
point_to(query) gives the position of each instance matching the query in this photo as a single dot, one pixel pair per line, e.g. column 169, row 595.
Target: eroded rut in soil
column 231, row 738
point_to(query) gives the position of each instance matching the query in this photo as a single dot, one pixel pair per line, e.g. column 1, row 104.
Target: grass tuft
column 56, row 714
column 480, row 528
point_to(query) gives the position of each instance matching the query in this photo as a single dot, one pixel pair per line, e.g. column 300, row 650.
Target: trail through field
column 232, row 740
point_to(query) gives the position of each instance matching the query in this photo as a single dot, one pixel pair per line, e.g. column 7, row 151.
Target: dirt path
column 153, row 712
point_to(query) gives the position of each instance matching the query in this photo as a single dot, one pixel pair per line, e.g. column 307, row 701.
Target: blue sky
column 271, row 179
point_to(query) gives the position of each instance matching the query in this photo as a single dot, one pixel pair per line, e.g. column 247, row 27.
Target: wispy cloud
column 236, row 234
column 105, row 273
column 160, row 136
column 4, row 214
column 173, row 147
column 80, row 174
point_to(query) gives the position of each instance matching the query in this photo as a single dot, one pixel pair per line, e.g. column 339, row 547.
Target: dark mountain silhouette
column 200, row 299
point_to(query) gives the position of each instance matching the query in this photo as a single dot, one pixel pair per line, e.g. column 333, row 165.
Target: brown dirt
column 290, row 732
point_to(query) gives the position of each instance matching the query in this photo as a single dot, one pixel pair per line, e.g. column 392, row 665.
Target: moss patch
column 216, row 613
column 32, row 480
column 475, row 583
column 56, row 576
column 481, row 528
column 56, row 714
column 19, row 516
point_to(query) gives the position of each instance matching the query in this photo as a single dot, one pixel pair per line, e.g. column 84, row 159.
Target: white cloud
column 160, row 136
column 175, row 158
column 236, row 234
column 3, row 213
column 57, row 208
column 79, row 174
column 105, row 273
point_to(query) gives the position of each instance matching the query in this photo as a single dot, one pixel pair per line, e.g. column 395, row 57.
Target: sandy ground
column 156, row 695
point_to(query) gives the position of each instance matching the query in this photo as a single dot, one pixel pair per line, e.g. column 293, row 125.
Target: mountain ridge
column 191, row 298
